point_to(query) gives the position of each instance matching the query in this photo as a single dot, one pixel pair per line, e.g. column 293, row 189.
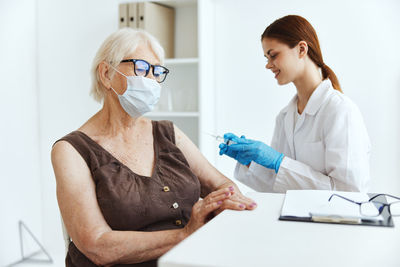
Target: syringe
column 221, row 139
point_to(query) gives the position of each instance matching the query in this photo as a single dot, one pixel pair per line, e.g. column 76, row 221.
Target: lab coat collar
column 318, row 97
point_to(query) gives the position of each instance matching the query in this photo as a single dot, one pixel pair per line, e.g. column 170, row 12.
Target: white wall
column 70, row 32
column 20, row 183
column 359, row 40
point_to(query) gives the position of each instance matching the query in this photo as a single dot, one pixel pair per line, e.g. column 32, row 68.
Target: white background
column 46, row 49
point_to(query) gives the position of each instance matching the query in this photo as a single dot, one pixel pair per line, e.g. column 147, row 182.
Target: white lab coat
column 328, row 148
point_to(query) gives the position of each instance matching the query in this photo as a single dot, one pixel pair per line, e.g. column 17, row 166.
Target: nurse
column 320, row 140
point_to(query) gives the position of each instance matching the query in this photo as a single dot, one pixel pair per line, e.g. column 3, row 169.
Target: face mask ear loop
column 114, row 91
column 119, row 73
column 117, row 70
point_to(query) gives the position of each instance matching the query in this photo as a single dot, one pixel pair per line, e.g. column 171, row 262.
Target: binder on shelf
column 313, row 206
column 123, row 15
column 157, row 19
column 133, row 21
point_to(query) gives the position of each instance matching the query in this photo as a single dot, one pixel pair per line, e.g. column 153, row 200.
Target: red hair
column 291, row 30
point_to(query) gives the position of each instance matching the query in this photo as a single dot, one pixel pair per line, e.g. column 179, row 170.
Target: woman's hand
column 237, row 201
column 203, row 210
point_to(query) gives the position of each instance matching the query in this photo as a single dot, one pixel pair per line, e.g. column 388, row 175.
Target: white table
column 258, row 238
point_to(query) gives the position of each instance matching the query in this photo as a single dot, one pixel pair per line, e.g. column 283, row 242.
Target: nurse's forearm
column 295, row 175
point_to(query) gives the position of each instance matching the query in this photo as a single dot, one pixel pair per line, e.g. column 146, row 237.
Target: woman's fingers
column 220, row 192
column 248, row 202
column 219, row 200
column 215, row 199
column 210, row 207
column 203, row 210
column 219, row 197
column 207, row 210
column 232, row 205
column 237, row 202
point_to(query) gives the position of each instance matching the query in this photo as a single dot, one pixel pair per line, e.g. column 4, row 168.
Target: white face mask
column 141, row 95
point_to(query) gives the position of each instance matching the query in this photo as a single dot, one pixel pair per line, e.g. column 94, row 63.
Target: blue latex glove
column 223, row 148
column 247, row 150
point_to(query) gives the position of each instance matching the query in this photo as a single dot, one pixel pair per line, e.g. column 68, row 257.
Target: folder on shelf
column 123, row 15
column 313, row 206
column 157, row 19
column 133, row 21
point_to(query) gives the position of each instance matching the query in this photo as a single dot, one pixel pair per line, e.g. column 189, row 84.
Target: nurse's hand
column 247, row 150
column 223, row 148
column 235, row 153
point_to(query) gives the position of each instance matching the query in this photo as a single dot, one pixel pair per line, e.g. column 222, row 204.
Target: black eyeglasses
column 373, row 207
column 142, row 68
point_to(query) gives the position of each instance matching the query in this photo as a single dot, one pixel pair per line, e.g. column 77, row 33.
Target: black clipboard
column 386, row 222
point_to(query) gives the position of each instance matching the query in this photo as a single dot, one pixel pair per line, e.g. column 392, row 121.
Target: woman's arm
column 210, row 178
column 87, row 227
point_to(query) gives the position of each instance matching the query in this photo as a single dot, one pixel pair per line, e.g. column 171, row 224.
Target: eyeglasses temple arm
column 344, row 198
column 372, row 198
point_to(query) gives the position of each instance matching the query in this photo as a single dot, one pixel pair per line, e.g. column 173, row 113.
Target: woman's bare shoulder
column 66, row 159
column 62, row 148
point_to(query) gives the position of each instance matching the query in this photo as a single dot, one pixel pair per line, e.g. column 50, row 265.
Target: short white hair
column 117, row 46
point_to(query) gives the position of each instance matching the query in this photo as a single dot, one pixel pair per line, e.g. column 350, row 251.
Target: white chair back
column 67, row 238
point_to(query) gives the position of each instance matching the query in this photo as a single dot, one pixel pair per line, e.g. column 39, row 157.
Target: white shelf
column 188, row 94
column 178, row 3
column 175, row 114
column 181, row 61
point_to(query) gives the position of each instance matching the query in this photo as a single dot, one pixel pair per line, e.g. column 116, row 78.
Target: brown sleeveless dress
column 132, row 202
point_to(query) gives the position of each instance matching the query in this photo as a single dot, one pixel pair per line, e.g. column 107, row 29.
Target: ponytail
column 328, row 73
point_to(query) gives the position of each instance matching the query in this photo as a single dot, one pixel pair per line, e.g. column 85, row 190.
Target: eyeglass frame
column 148, row 70
column 371, row 199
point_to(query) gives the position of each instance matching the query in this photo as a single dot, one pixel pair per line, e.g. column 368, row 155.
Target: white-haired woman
column 128, row 188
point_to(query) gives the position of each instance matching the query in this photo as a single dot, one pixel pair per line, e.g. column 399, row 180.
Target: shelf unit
column 187, row 96
column 181, row 61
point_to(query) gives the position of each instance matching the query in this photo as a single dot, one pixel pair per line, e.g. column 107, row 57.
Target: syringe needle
column 221, row 139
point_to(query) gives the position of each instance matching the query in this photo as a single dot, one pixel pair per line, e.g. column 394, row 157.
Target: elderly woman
column 128, row 188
